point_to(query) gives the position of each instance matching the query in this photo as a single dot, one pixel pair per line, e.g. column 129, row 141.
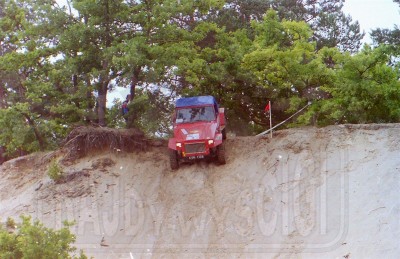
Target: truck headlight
column 210, row 142
column 178, row 144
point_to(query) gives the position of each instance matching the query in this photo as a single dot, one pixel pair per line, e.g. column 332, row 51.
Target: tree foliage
column 389, row 37
column 33, row 240
column 58, row 65
column 286, row 64
column 331, row 26
column 365, row 90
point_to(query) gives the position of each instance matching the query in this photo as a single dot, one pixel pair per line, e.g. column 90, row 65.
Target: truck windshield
column 188, row 115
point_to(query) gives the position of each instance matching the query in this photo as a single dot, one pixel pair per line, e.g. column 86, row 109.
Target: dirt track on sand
column 311, row 193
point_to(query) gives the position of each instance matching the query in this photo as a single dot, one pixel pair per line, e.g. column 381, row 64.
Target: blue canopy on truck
column 196, row 101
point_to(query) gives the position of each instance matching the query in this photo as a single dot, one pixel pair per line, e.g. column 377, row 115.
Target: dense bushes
column 32, row 240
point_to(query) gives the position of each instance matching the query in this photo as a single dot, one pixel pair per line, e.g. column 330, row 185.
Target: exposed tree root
column 84, row 140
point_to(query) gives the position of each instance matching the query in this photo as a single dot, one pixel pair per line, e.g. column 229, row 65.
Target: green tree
column 238, row 14
column 33, row 240
column 366, row 90
column 29, row 31
column 162, row 34
column 287, row 65
column 331, row 27
column 390, row 38
column 387, row 36
column 88, row 43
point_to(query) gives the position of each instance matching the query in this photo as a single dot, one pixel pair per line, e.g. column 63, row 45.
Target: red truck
column 199, row 131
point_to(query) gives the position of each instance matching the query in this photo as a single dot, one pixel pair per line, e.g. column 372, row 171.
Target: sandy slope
column 307, row 193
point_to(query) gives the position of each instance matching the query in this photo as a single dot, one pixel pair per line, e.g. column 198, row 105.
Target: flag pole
column 270, row 117
column 283, row 122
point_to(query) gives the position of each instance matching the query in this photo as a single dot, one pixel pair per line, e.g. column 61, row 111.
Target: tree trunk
column 91, row 116
column 38, row 136
column 2, row 98
column 102, row 91
column 104, row 77
column 101, row 102
column 134, row 81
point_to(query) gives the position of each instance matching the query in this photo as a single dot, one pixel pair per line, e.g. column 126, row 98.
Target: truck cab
column 199, row 131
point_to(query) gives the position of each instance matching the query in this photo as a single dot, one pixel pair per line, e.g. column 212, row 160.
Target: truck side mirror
column 221, row 116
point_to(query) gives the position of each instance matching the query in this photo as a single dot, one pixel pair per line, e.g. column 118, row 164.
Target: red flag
column 267, row 108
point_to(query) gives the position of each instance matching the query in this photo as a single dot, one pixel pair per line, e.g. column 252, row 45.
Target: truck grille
column 195, row 148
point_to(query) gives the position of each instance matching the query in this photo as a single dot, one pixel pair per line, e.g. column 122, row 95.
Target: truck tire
column 173, row 159
column 221, row 154
column 224, row 134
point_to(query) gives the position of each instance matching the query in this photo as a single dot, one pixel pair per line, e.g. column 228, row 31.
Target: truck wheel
column 221, row 154
column 224, row 134
column 173, row 159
